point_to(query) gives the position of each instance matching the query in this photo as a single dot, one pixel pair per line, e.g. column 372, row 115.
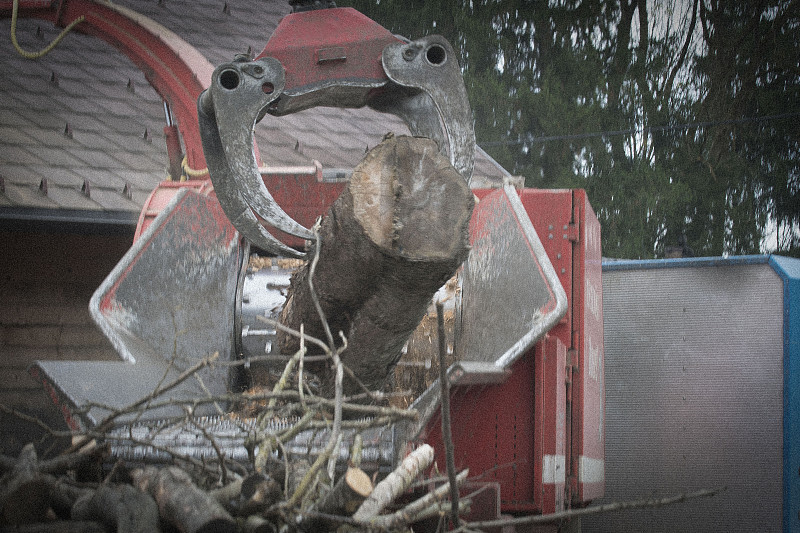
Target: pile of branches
column 80, row 490
column 50, row 495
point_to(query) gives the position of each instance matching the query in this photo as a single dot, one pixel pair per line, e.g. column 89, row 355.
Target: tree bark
column 259, row 492
column 181, row 502
column 385, row 492
column 121, row 508
column 397, row 233
column 344, row 499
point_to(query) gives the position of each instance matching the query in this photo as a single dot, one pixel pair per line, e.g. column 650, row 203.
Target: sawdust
column 257, row 263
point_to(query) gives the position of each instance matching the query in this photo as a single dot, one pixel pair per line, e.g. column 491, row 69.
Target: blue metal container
column 702, row 373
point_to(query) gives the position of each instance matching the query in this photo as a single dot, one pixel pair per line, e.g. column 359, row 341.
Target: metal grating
column 694, row 389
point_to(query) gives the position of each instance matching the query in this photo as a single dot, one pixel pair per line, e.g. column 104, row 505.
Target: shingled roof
column 81, row 129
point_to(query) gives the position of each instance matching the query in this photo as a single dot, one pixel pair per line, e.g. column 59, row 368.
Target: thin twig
column 305, row 483
column 304, row 423
column 212, row 440
column 108, row 421
column 290, row 331
column 447, row 435
column 336, row 433
column 312, row 292
column 408, row 514
column 300, row 364
column 268, row 440
column 362, row 424
column 269, row 359
column 595, row 509
column 169, row 451
column 352, row 408
column 170, row 363
column 33, row 420
column 376, row 396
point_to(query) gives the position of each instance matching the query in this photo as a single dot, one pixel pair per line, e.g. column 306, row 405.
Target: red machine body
column 537, row 437
column 539, row 434
column 315, row 38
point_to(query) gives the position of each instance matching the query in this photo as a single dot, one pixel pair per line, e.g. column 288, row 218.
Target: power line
column 631, row 131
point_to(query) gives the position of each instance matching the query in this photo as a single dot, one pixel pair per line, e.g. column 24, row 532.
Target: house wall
column 46, row 281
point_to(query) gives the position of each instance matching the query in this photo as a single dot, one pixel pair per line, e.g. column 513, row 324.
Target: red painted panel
column 550, row 212
column 551, row 422
column 328, row 45
column 304, row 197
column 493, row 435
column 588, row 400
column 570, row 232
column 161, row 196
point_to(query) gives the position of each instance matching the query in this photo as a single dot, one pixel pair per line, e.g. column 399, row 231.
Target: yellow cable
column 191, row 172
column 46, row 49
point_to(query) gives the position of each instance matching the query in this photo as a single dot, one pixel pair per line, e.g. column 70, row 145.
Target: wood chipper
column 526, row 388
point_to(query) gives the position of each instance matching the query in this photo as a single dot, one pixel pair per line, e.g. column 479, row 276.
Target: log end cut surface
column 409, row 199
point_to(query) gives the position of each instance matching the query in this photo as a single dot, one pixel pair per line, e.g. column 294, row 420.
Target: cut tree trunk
column 397, row 233
column 121, row 508
column 24, row 492
column 181, row 502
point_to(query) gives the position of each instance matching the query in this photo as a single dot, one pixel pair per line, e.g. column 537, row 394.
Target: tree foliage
column 679, row 119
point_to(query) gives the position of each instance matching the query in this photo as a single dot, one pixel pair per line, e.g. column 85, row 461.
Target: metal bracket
column 423, row 87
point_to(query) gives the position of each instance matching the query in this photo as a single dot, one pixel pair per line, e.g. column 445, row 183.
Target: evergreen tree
column 679, row 120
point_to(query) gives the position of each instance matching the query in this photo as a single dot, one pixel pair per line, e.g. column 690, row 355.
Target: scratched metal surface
column 167, row 304
column 511, row 295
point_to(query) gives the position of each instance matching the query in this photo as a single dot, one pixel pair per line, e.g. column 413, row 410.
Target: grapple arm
column 330, row 57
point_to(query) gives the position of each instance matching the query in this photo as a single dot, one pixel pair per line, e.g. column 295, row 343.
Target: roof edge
column 68, row 220
column 610, row 265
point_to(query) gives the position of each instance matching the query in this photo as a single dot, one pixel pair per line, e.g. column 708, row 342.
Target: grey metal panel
column 694, row 386
column 511, row 294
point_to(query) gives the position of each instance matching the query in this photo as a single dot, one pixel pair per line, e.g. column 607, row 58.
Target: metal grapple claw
column 432, row 100
column 228, row 111
column 307, row 63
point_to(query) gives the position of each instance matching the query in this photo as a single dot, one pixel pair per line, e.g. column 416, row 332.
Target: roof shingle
column 86, row 114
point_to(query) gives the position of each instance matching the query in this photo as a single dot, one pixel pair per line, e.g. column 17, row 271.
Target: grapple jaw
column 228, row 111
column 419, row 81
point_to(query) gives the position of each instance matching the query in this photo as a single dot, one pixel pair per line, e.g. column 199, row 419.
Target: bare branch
column 108, row 421
column 596, row 509
column 447, row 435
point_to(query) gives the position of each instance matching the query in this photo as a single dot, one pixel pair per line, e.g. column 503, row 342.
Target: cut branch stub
column 397, row 233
